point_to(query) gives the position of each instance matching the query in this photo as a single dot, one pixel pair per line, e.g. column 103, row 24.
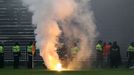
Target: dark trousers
column 114, row 63
column 29, row 63
column 16, row 61
column 106, row 61
column 1, row 60
column 115, row 60
column 130, row 59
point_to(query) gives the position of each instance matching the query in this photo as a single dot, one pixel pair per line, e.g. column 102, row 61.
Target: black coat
column 115, row 53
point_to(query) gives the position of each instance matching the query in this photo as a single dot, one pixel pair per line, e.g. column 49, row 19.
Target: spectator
column 16, row 54
column 115, row 58
column 130, row 54
column 106, row 51
column 99, row 58
column 1, row 55
column 30, row 55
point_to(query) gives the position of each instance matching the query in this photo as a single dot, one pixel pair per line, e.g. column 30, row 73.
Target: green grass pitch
column 89, row 72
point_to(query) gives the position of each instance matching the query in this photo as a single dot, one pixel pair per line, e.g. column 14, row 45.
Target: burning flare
column 48, row 48
column 76, row 22
column 59, row 67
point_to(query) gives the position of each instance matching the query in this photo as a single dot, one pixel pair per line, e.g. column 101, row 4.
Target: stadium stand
column 15, row 26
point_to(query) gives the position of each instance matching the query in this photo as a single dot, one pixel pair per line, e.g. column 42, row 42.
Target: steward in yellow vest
column 1, row 56
column 99, row 54
column 16, row 54
column 30, row 52
column 130, row 54
column 74, row 50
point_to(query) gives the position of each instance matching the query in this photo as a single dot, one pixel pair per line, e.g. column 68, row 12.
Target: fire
column 48, row 48
column 49, row 31
column 59, row 67
column 54, row 64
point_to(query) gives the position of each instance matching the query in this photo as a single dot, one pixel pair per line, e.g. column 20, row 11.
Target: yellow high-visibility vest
column 130, row 48
column 74, row 50
column 16, row 48
column 1, row 49
column 29, row 48
column 99, row 47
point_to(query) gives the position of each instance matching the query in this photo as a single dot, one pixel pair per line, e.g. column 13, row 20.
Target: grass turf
column 89, row 72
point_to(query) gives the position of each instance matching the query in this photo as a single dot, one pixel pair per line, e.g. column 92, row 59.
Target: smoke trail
column 46, row 13
column 76, row 20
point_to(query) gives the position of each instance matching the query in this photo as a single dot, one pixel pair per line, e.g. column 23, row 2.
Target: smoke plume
column 76, row 20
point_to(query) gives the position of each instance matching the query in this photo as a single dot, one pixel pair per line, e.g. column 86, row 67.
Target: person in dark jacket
column 115, row 58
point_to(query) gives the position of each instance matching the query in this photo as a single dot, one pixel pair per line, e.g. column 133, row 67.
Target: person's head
column 100, row 42
column 104, row 43
column 109, row 43
column 74, row 44
column 31, row 42
column 16, row 43
column 115, row 43
column 132, row 43
column 1, row 44
column 34, row 42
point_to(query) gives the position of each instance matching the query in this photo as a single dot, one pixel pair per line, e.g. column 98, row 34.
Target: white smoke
column 76, row 20
column 81, row 26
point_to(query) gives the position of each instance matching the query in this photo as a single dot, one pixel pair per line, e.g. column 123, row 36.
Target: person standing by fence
column 130, row 54
column 115, row 57
column 1, row 55
column 99, row 58
column 16, row 54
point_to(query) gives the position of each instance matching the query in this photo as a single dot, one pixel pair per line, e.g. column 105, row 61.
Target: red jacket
column 106, row 50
